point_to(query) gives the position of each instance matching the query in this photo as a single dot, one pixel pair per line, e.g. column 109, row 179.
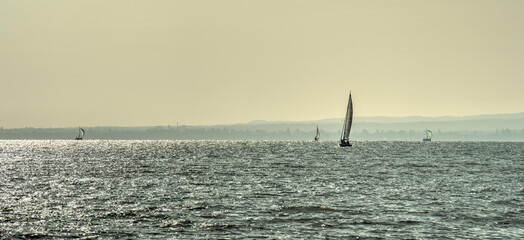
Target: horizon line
column 263, row 121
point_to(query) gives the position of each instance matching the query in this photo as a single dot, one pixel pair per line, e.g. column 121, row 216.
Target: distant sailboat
column 81, row 134
column 429, row 134
column 344, row 139
column 318, row 135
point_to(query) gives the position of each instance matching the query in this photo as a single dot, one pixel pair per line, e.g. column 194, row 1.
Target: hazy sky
column 140, row 63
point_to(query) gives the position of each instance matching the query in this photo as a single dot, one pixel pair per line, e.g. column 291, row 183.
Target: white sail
column 429, row 134
column 81, row 134
column 349, row 119
column 318, row 135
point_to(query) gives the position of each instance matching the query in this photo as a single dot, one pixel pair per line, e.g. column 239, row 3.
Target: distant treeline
column 228, row 133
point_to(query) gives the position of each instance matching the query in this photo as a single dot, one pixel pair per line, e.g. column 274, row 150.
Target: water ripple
column 260, row 189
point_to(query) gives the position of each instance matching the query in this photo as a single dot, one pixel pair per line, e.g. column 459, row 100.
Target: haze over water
column 261, row 189
column 125, row 63
column 136, row 63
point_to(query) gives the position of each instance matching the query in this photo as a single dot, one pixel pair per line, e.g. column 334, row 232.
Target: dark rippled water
column 261, row 189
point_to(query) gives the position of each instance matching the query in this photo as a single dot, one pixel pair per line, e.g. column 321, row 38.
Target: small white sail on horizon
column 429, row 134
column 318, row 135
column 81, row 134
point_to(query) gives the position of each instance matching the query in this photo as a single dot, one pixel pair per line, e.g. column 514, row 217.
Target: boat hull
column 426, row 139
column 344, row 143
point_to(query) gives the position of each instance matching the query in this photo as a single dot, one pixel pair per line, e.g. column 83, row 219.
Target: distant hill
column 495, row 127
column 513, row 121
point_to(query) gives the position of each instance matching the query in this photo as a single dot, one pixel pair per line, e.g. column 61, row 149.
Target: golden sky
column 139, row 63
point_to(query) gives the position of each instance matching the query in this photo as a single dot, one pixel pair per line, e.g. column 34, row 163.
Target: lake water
column 261, row 189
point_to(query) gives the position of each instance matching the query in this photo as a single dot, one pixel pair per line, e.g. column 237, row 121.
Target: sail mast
column 349, row 119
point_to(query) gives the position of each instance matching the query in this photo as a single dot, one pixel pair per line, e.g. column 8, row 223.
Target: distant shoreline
column 499, row 127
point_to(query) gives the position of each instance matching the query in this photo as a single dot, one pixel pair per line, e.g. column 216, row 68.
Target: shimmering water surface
column 261, row 189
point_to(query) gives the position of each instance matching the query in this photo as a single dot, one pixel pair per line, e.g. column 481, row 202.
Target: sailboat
column 81, row 134
column 429, row 134
column 318, row 135
column 344, row 139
